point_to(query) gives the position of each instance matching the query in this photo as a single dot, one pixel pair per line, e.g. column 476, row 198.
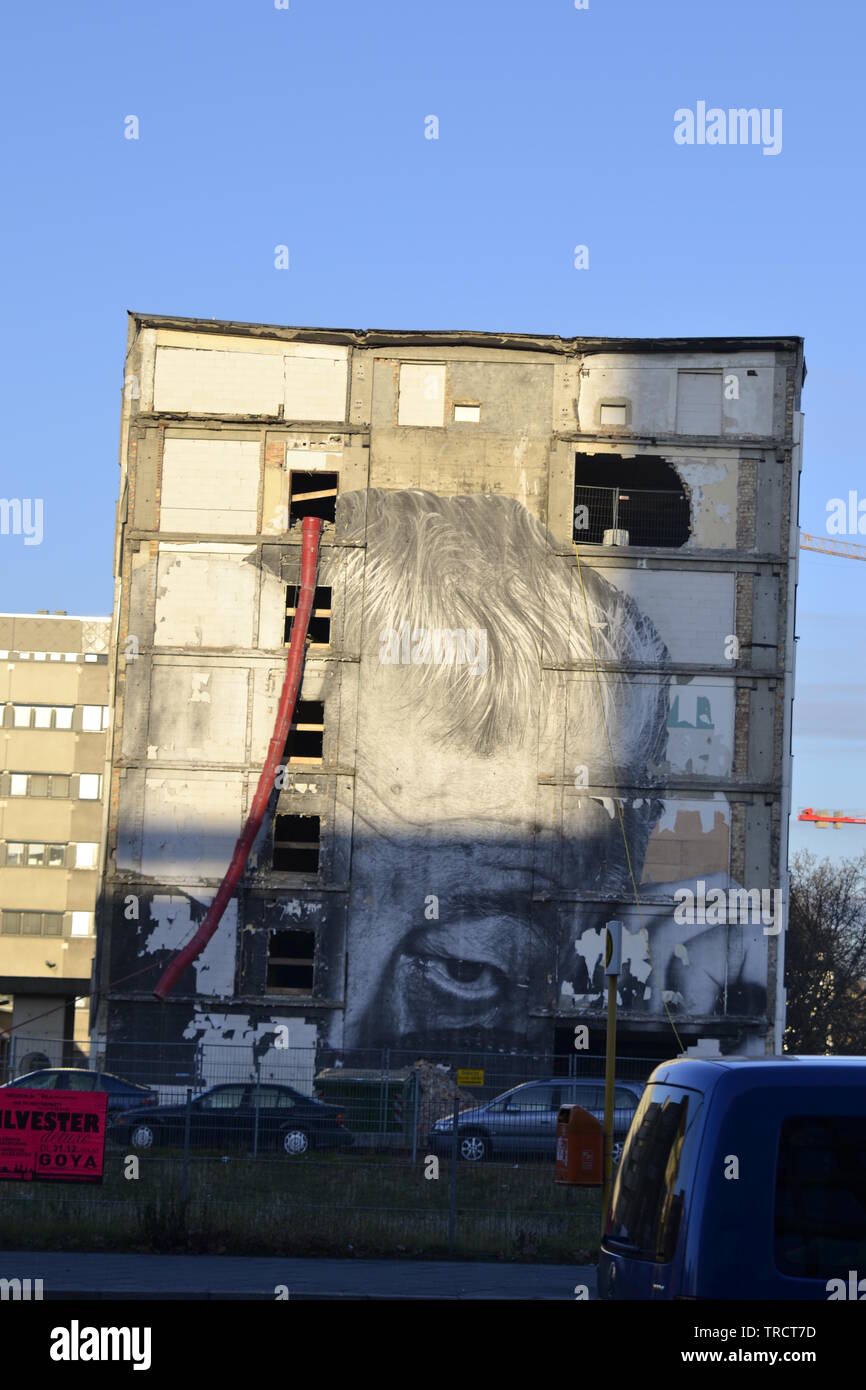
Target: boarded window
column 319, row 631
column 290, row 962
column 422, row 394
column 612, row 415
column 312, row 494
column 699, row 402
column 307, row 732
column 296, row 844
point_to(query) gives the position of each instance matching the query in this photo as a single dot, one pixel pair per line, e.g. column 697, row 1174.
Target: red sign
column 52, row 1134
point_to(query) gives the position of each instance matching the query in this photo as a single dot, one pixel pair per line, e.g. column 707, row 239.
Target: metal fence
column 630, row 516
column 253, row 1167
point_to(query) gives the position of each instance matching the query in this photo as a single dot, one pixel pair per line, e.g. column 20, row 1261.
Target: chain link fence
column 253, row 1147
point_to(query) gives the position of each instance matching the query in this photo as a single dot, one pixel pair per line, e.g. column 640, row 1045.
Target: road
column 232, row 1276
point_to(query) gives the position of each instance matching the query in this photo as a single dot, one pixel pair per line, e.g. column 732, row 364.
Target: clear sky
column 305, row 127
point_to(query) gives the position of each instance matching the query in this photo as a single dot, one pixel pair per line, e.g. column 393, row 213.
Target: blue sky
column 260, row 126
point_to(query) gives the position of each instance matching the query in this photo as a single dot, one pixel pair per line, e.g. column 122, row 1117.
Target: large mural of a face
column 476, row 684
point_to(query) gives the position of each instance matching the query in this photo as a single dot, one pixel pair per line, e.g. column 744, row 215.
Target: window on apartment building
column 291, row 962
column 86, row 854
column 319, row 631
column 42, row 716
column 296, row 844
column 81, row 924
column 32, row 923
column 32, row 855
column 94, row 718
column 629, row 501
column 612, row 414
column 312, row 494
column 53, row 784
column 421, row 394
column 41, row 656
column 89, row 786
column 466, row 414
column 306, row 733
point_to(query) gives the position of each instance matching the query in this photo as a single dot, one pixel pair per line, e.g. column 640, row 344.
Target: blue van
column 742, row 1178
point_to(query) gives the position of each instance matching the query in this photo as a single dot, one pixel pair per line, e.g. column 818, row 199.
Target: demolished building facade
column 548, row 684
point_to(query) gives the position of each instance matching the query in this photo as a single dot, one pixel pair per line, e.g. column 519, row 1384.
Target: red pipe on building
column 311, row 533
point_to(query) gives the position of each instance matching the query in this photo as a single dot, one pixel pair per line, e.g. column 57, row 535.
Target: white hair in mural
column 484, row 564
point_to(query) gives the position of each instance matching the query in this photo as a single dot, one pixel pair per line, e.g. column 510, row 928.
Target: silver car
column 521, row 1123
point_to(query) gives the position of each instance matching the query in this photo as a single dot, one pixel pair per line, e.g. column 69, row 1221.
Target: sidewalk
column 232, row 1276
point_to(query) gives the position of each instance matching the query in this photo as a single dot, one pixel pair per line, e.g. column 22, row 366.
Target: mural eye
column 466, row 971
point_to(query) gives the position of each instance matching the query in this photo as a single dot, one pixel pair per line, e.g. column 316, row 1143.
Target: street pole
column 612, row 964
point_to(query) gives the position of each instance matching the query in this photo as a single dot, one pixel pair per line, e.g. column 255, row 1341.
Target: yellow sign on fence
column 470, row 1076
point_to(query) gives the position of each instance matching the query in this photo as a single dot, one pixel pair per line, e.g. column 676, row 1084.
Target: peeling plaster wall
column 462, row 888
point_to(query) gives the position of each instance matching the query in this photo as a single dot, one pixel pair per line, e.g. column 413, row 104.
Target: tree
column 825, row 956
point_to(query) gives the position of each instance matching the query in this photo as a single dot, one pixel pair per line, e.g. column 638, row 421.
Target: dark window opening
column 296, row 844
column 820, row 1218
column 319, row 630
column 636, row 501
column 312, row 494
column 306, row 733
column 290, row 962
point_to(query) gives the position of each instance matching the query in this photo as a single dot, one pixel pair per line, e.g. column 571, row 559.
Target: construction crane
column 828, row 545
column 835, row 818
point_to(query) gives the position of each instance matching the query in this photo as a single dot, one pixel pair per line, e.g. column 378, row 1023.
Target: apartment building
column 54, row 673
column 548, row 684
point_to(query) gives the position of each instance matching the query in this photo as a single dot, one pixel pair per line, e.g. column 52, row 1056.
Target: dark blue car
column 271, row 1117
column 742, row 1179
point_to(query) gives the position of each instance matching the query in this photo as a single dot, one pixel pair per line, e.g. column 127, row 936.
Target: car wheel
column 143, row 1136
column 474, row 1148
column 295, row 1142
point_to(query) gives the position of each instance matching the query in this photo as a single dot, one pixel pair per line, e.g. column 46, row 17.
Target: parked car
column 122, row 1095
column 225, row 1116
column 521, row 1123
column 742, row 1178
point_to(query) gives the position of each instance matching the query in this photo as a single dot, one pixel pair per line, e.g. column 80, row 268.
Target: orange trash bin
column 579, row 1148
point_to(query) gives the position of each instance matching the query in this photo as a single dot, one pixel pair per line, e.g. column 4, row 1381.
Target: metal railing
column 630, row 516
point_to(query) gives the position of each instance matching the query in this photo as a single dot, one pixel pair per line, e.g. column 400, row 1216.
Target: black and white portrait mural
column 487, row 848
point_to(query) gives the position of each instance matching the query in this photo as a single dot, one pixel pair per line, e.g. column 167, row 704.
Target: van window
column 650, row 1187
column 820, row 1222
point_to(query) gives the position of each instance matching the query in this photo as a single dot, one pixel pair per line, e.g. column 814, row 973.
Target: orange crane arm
column 829, row 545
column 830, row 817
